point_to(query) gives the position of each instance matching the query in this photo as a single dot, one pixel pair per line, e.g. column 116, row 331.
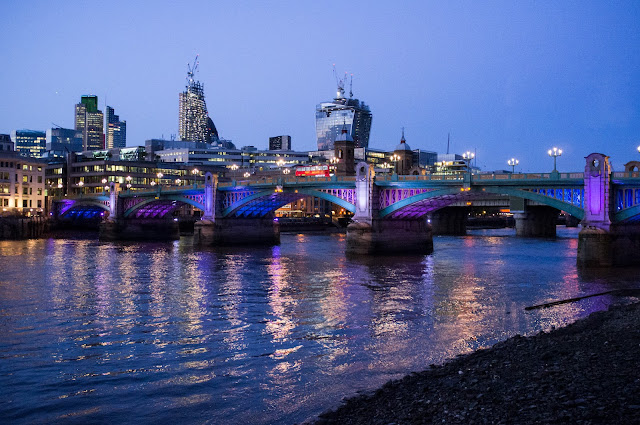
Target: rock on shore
column 585, row 373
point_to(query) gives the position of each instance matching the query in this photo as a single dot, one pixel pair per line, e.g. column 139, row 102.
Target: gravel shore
column 585, row 373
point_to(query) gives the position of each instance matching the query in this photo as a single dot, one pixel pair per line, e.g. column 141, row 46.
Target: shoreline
column 585, row 373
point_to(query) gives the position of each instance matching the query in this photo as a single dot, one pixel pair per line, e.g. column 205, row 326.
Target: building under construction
column 333, row 116
column 195, row 123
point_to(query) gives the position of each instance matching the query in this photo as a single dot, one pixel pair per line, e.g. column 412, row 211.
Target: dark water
column 96, row 332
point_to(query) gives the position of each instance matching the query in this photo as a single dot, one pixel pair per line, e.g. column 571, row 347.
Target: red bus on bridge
column 313, row 170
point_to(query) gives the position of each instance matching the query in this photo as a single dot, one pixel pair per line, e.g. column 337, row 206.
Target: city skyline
column 505, row 80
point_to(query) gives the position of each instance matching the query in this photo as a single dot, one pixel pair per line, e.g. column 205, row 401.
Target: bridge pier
column 389, row 236
column 450, row 221
column 370, row 234
column 231, row 231
column 139, row 230
column 600, row 242
column 538, row 221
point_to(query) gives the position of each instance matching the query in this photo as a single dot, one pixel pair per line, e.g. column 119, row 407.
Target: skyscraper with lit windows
column 348, row 112
column 116, row 134
column 90, row 121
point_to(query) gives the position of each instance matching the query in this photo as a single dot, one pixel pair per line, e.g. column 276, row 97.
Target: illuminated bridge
column 597, row 196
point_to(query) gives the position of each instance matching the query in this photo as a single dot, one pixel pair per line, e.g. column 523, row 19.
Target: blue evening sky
column 505, row 78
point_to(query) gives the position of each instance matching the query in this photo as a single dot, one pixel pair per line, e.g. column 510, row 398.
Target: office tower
column 29, row 142
column 352, row 113
column 194, row 121
column 116, row 135
column 90, row 121
column 62, row 140
column 280, row 143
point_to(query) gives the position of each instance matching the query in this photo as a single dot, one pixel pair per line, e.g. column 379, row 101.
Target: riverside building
column 21, row 182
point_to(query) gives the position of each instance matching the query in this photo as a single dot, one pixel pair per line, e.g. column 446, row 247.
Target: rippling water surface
column 95, row 332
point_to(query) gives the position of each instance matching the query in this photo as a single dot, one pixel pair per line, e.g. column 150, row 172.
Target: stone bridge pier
column 214, row 230
column 602, row 243
column 370, row 234
column 450, row 221
column 536, row 221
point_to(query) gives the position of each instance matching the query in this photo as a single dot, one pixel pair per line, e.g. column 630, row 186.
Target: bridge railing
column 529, row 176
column 626, row 174
column 272, row 181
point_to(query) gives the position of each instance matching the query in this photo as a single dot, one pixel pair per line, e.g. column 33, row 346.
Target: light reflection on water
column 97, row 332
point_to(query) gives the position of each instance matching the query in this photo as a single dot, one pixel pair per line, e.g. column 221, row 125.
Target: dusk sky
column 504, row 78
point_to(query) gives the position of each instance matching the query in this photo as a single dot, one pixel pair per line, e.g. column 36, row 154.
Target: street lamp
column 395, row 158
column 555, row 153
column 638, row 148
column 247, row 175
column 178, row 182
column 513, row 162
column 234, row 167
column 468, row 156
column 286, row 171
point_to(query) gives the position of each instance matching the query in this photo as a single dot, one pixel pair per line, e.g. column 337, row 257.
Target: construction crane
column 191, row 70
column 340, row 82
column 351, row 87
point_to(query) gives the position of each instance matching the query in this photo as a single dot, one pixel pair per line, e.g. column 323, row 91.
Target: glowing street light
column 513, row 162
column 104, row 181
column 195, row 171
column 247, row 175
column 468, row 156
column 638, row 148
column 286, row 171
column 555, row 153
column 178, row 182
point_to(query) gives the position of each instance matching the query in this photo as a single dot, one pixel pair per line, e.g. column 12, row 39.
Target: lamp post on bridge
column 513, row 162
column 395, row 158
column 555, row 153
column 234, row 167
column 468, row 156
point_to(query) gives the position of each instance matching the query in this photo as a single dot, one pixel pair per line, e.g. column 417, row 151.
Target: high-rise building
column 332, row 116
column 60, row 141
column 90, row 121
column 116, row 136
column 29, row 142
column 280, row 143
column 194, row 121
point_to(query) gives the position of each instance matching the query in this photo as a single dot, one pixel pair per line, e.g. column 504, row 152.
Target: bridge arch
column 421, row 204
column 161, row 206
column 85, row 208
column 627, row 215
column 263, row 202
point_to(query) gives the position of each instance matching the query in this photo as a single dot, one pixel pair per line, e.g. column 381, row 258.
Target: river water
column 94, row 332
